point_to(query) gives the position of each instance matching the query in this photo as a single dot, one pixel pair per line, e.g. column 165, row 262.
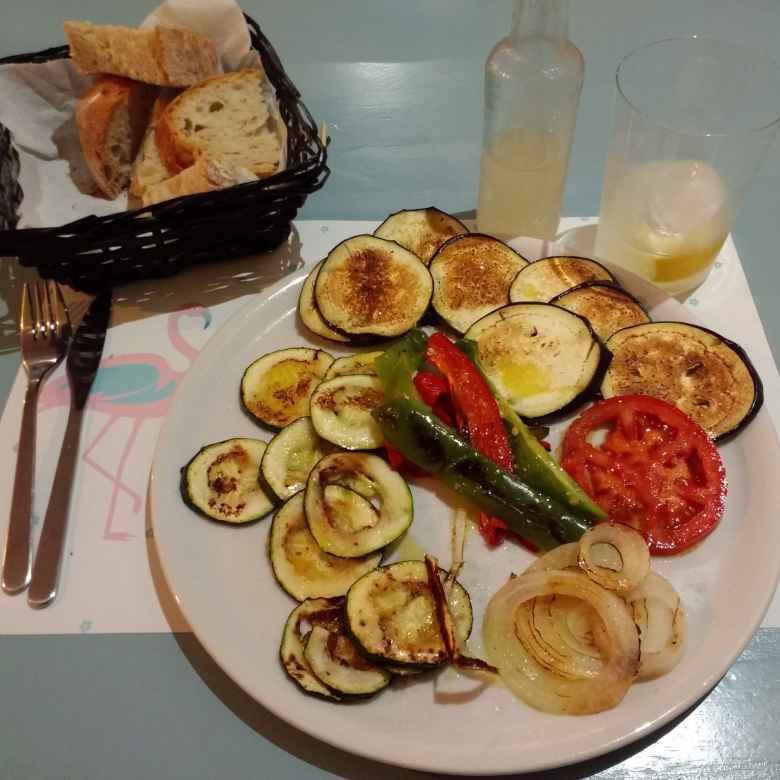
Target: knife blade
column 82, row 366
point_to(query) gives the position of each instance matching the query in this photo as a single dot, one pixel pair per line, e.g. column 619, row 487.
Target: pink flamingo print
column 136, row 386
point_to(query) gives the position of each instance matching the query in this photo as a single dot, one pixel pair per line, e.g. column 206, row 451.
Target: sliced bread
column 156, row 55
column 111, row 119
column 205, row 175
column 224, row 117
column 148, row 168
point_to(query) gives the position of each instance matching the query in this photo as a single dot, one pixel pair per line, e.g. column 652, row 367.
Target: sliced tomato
column 650, row 466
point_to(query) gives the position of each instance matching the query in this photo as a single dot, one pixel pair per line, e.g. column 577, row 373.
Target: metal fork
column 45, row 331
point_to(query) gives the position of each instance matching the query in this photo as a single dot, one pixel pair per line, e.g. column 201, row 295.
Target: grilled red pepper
column 477, row 409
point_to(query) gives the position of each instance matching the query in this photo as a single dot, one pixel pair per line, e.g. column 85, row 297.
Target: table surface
column 400, row 88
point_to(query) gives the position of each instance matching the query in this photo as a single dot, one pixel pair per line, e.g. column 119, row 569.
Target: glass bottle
column 533, row 79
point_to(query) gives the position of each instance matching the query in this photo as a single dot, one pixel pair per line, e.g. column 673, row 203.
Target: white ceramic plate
column 223, row 583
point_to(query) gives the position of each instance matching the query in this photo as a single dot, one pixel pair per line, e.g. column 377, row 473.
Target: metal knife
column 82, row 365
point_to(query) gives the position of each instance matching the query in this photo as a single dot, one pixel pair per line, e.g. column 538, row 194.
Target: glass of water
column 693, row 119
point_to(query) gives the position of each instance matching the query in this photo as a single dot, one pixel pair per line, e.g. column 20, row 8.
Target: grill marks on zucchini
column 472, row 275
column 540, row 357
column 391, row 615
column 370, row 506
column 542, row 280
column 313, row 612
column 361, row 363
column 706, row 376
column 276, row 388
column 371, row 288
column 334, row 659
column 421, row 231
column 300, row 565
column 341, row 411
column 606, row 307
column 220, row 481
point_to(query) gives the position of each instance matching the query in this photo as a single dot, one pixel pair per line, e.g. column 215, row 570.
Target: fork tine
column 47, row 320
column 61, row 311
column 38, row 329
column 26, row 319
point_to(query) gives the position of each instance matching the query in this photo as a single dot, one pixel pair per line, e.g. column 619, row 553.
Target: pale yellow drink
column 522, row 177
column 664, row 220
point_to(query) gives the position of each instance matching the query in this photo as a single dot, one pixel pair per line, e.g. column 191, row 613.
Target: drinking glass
column 693, row 119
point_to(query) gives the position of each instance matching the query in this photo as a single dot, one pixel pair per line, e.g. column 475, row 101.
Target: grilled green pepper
column 413, row 429
column 533, row 464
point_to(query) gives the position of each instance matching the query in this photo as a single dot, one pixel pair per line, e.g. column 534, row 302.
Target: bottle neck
column 540, row 19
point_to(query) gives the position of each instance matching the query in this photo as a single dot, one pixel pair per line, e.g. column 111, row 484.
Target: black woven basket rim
column 309, row 175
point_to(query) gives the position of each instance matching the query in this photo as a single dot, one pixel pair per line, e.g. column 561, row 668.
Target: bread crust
column 95, row 113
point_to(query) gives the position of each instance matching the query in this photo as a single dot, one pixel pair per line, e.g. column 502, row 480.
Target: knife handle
column 48, row 558
column 16, row 561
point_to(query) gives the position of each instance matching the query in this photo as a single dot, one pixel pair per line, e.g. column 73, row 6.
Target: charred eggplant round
column 421, row 231
column 472, row 275
column 706, row 376
column 542, row 358
column 370, row 288
column 310, row 314
column 542, row 280
column 607, row 308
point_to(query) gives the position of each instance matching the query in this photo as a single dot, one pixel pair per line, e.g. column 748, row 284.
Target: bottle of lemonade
column 533, row 79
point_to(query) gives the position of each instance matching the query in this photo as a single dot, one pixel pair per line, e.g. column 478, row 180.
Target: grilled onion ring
column 632, row 552
column 529, row 679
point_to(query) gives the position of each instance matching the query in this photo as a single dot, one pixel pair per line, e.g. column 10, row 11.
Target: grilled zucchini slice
column 472, row 275
column 391, row 615
column 421, row 231
column 607, row 308
column 290, row 456
column 543, row 359
column 376, row 513
column 313, row 612
column 301, row 567
column 334, row 659
column 542, row 280
column 369, row 288
column 220, row 481
column 276, row 388
column 310, row 314
column 706, row 376
column 361, row 363
column 341, row 411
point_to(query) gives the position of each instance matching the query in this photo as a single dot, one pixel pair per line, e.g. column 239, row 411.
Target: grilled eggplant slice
column 472, row 275
column 376, row 513
column 334, row 659
column 542, row 359
column 706, row 376
column 369, row 288
column 276, row 388
column 290, row 456
column 391, row 615
column 313, row 612
column 607, row 308
column 310, row 314
column 341, row 411
column 301, row 567
column 361, row 363
column 544, row 279
column 220, row 481
column 421, row 231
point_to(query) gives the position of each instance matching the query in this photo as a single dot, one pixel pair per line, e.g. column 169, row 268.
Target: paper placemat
column 111, row 582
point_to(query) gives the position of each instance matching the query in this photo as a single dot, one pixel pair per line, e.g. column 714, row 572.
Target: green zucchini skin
column 186, row 487
column 421, row 437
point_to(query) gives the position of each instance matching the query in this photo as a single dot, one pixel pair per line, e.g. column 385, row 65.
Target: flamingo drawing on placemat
column 134, row 386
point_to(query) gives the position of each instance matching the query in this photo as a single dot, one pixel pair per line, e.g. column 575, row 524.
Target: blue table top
column 400, row 89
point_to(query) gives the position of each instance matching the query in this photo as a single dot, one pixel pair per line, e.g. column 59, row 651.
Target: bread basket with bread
column 209, row 165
